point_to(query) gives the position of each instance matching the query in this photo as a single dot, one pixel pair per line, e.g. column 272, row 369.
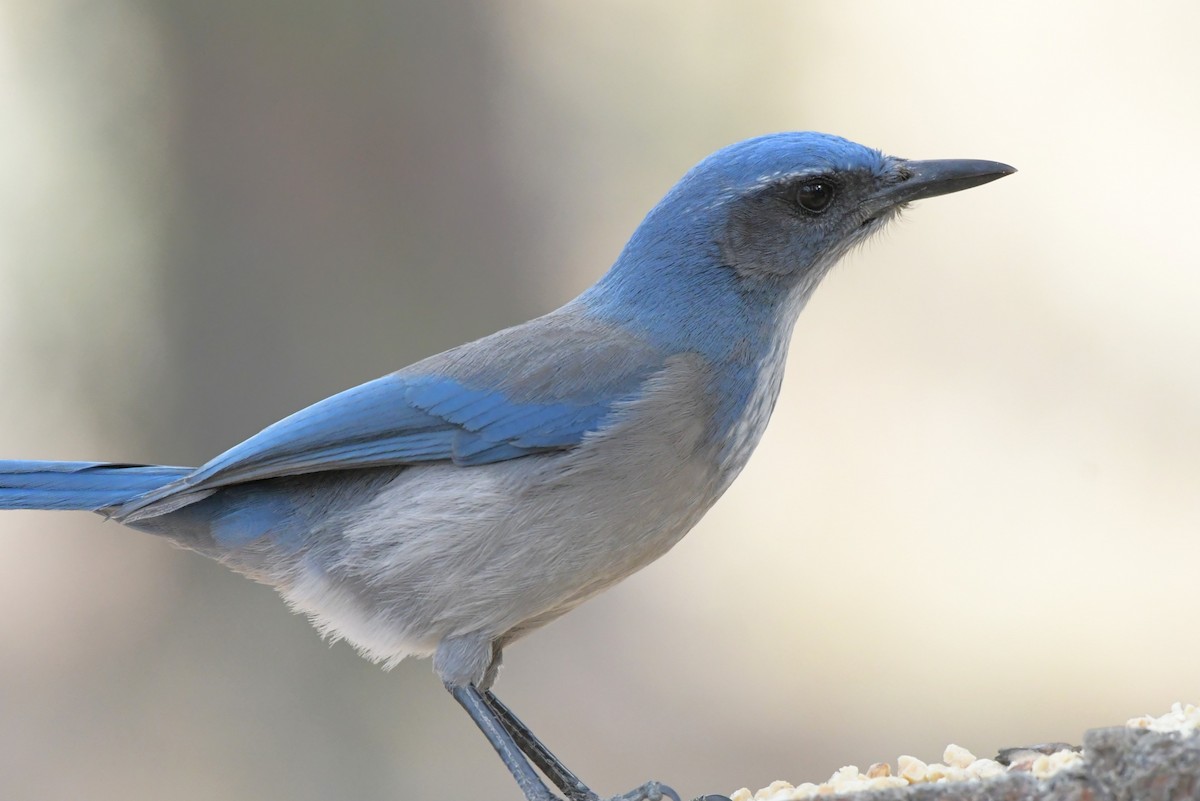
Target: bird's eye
column 814, row 196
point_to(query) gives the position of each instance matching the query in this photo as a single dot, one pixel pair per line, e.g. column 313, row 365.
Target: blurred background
column 974, row 517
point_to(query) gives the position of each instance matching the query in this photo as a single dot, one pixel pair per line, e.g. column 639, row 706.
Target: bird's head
column 767, row 217
column 792, row 204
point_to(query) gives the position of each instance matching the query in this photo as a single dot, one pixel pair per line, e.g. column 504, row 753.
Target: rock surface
column 1120, row 764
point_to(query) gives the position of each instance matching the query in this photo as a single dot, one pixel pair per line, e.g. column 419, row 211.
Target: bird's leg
column 472, row 701
column 555, row 770
column 538, row 753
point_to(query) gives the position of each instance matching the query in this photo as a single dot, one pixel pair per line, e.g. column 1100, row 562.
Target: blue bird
column 456, row 505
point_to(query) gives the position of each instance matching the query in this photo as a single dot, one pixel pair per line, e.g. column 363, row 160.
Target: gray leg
column 472, row 701
column 538, row 753
column 555, row 770
column 468, row 665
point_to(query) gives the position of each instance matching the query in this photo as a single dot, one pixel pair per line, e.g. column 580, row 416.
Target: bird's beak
column 922, row 179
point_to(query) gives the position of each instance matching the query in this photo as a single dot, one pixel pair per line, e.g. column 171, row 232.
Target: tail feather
column 87, row 486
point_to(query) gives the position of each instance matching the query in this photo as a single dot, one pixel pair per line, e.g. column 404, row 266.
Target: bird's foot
column 650, row 791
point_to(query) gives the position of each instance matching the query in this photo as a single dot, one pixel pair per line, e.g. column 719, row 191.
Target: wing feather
column 461, row 407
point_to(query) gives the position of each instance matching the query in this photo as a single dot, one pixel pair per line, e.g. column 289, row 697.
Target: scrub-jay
column 456, row 505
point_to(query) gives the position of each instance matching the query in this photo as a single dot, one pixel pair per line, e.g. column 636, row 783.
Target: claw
column 668, row 792
column 650, row 791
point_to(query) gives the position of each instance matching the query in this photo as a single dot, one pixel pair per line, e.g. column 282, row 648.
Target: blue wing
column 513, row 394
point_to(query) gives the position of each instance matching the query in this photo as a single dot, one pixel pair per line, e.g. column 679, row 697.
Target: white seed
column 957, row 756
column 911, row 769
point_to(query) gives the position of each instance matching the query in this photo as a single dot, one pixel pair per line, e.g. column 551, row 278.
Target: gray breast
column 497, row 550
column 747, row 429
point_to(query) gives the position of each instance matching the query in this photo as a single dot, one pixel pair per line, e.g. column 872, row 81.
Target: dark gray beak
column 939, row 177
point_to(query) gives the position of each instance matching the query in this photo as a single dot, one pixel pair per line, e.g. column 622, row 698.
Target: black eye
column 814, row 196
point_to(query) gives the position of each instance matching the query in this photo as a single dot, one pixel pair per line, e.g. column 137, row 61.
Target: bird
column 449, row 508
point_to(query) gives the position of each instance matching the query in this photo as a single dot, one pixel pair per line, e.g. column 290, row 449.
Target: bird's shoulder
column 566, row 356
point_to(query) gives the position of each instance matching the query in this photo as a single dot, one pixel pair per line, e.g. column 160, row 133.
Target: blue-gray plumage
column 455, row 505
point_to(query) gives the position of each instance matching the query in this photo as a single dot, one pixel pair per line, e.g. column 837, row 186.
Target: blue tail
column 87, row 486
